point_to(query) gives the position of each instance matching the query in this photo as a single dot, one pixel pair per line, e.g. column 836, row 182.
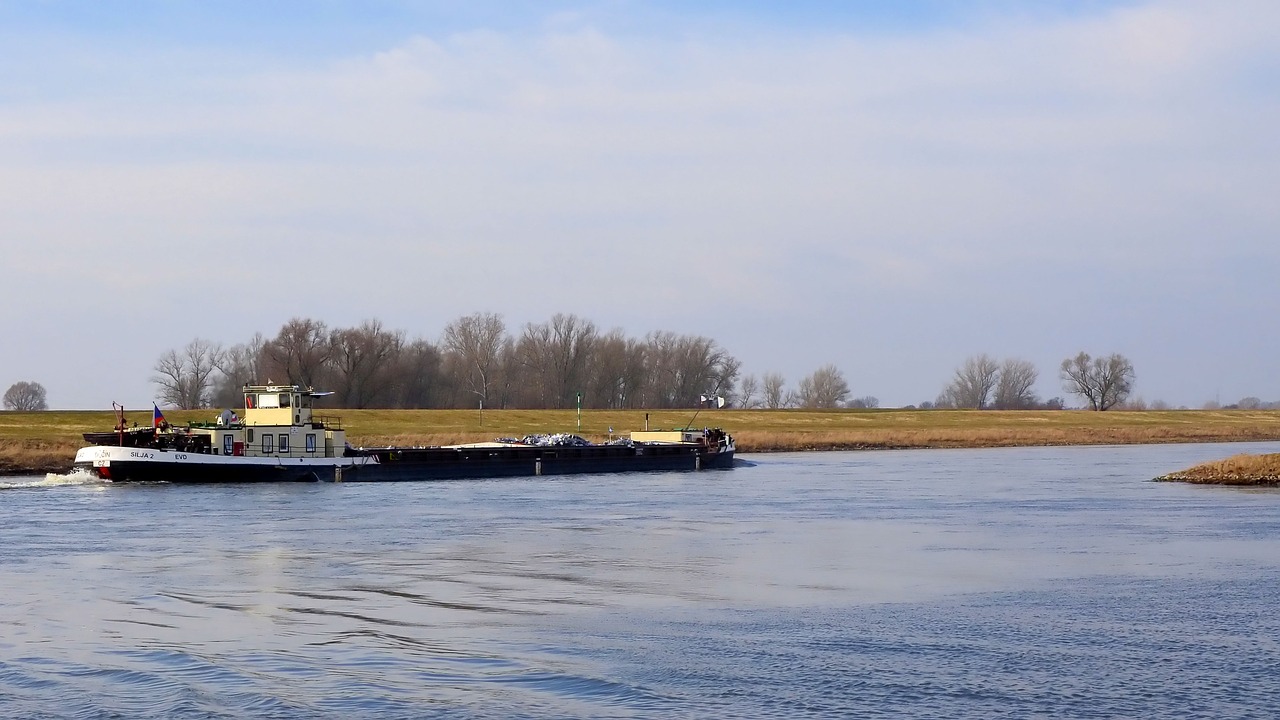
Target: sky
column 887, row 187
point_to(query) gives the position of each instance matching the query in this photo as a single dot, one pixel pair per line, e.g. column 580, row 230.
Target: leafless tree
column 746, row 396
column 26, row 396
column 684, row 367
column 555, row 355
column 666, row 372
column 476, row 340
column 774, row 391
column 361, row 359
column 1013, row 386
column 867, row 402
column 417, row 376
column 185, row 378
column 973, row 382
column 508, row 379
column 723, row 376
column 237, row 366
column 825, row 388
column 1102, row 382
column 298, row 353
column 1134, row 403
column 615, row 372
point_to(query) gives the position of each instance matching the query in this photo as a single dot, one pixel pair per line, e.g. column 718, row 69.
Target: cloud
column 628, row 176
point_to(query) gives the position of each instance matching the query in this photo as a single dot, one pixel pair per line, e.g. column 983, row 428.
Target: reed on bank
column 1235, row 470
column 47, row 441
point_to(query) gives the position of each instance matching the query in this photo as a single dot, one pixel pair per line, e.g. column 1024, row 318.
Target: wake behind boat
column 280, row 439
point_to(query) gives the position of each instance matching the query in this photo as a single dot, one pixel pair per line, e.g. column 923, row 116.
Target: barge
column 281, row 439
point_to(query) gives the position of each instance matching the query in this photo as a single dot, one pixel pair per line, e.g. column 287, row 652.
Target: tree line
column 479, row 361
column 982, row 382
column 567, row 361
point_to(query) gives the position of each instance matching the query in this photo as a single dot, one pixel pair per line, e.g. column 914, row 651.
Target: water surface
column 981, row 583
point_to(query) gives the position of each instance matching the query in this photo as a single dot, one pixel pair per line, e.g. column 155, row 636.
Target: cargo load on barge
column 279, row 438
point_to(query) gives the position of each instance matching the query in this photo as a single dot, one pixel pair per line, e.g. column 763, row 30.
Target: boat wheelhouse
column 279, row 421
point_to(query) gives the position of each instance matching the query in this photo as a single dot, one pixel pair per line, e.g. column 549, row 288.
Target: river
column 933, row 584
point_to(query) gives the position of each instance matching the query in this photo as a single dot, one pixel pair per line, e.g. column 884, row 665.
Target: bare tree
column 361, row 359
column 1013, row 386
column 1134, row 403
column 185, row 379
column 1102, row 382
column 825, row 388
column 684, row 367
column 774, row 393
column 616, row 372
column 508, row 377
column 973, row 382
column 26, row 396
column 556, row 354
column 867, row 402
column 476, row 340
column 746, row 396
column 298, row 352
column 237, row 366
column 416, row 377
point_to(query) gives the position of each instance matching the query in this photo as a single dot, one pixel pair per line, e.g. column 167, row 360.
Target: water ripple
column 1050, row 582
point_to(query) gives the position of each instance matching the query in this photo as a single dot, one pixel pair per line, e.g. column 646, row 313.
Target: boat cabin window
column 311, row 442
column 267, row 443
column 284, row 399
column 228, row 444
column 284, row 443
column 269, row 400
column 250, row 438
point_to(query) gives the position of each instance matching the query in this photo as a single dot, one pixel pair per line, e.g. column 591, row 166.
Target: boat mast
column 119, row 422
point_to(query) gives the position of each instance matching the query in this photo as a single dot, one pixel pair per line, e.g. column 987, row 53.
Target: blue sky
column 889, row 187
column 320, row 29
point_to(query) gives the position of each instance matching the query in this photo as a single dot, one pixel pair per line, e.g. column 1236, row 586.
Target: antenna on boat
column 695, row 417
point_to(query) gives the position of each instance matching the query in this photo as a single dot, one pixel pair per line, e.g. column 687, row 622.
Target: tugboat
column 281, row 439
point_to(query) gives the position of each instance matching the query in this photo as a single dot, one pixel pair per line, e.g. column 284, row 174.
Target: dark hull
column 125, row 471
column 448, row 464
column 418, row 464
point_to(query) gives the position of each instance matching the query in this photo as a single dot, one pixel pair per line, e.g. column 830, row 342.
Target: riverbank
column 1235, row 470
column 39, row 442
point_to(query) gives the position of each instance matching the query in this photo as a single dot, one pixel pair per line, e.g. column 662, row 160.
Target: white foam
column 75, row 477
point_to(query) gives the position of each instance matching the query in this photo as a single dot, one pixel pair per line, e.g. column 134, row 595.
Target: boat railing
column 328, row 422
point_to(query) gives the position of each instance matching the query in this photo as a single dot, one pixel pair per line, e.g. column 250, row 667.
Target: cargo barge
column 281, row 439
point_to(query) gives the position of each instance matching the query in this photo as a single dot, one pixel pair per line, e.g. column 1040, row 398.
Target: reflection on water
column 1048, row 581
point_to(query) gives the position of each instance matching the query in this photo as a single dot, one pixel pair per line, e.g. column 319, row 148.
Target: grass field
column 46, row 441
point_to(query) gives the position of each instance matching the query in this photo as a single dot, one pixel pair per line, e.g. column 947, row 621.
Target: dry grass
column 47, row 440
column 1235, row 470
column 31, row 456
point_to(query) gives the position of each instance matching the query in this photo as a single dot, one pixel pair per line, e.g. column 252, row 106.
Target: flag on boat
column 157, row 417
